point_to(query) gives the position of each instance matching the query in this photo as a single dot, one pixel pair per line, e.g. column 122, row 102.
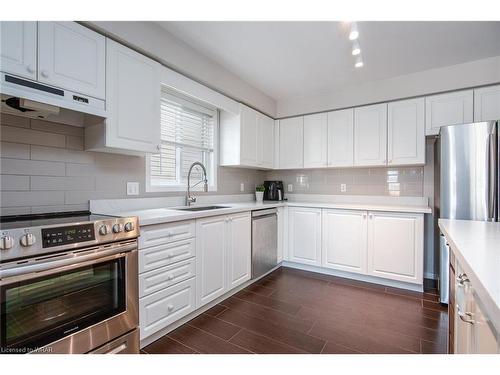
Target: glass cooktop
column 38, row 220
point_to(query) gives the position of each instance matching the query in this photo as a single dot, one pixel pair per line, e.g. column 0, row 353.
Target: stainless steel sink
column 204, row 208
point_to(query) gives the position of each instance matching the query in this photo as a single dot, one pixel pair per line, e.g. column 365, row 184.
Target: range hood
column 33, row 99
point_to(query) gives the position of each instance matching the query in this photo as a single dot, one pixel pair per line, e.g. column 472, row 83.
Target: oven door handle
column 69, row 261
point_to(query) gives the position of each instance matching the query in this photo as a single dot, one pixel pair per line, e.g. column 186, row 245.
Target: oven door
column 69, row 303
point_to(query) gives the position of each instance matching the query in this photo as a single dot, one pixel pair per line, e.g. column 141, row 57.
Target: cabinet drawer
column 165, row 277
column 152, row 235
column 165, row 254
column 160, row 309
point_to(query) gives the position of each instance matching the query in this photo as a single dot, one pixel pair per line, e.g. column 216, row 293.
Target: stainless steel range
column 68, row 284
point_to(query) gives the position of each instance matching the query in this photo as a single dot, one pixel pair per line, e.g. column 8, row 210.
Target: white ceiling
column 286, row 59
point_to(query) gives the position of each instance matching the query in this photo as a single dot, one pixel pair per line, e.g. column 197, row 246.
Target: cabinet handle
column 370, row 216
column 44, row 74
column 466, row 317
column 30, row 69
column 158, row 147
column 170, row 307
column 364, row 216
column 170, row 277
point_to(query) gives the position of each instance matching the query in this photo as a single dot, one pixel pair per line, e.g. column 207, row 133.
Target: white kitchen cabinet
column 72, row 57
column 448, row 109
column 246, row 139
column 341, row 138
column 406, row 132
column 211, row 258
column 487, row 103
column 223, row 255
column 18, row 48
column 239, row 250
column 395, row 246
column 370, row 135
column 483, row 335
column 344, row 235
column 133, row 88
column 276, row 162
column 265, row 141
column 304, row 235
column 315, row 140
column 291, row 146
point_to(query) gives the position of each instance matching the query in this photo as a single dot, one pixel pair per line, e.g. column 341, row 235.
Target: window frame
column 200, row 106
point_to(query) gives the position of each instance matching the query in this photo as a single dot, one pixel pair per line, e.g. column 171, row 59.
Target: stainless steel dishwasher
column 264, row 241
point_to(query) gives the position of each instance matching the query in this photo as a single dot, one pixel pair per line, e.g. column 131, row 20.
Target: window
column 188, row 133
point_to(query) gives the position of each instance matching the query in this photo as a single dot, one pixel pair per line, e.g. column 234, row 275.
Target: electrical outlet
column 242, row 186
column 343, row 188
column 132, row 188
column 290, row 188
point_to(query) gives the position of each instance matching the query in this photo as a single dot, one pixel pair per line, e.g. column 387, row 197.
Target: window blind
column 187, row 135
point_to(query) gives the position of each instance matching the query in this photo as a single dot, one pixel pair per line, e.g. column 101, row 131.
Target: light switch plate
column 290, row 188
column 343, row 188
column 242, row 186
column 132, row 188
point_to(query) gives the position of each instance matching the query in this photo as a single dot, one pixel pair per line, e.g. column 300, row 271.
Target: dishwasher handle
column 264, row 213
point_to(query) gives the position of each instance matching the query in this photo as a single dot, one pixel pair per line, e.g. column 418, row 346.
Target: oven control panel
column 67, row 235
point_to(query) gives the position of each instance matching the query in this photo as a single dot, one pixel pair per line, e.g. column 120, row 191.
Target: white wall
column 152, row 39
column 474, row 73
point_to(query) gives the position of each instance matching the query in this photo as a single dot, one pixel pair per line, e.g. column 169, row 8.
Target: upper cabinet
column 247, row 139
column 487, row 103
column 370, row 135
column 133, row 102
column 18, row 48
column 448, row 109
column 406, row 132
column 315, row 140
column 291, row 151
column 72, row 57
column 341, row 138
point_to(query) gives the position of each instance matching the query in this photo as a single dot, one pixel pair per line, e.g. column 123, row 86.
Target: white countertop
column 476, row 245
column 365, row 206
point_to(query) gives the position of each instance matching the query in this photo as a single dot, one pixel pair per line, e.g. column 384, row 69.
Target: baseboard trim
column 353, row 276
column 158, row 335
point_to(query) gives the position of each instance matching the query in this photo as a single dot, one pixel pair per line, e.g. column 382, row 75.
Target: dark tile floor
column 293, row 311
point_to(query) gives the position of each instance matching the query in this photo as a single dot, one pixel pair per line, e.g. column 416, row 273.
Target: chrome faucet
column 189, row 198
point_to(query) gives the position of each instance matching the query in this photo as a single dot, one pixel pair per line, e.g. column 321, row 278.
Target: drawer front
column 163, row 255
column 163, row 308
column 164, row 277
column 153, row 235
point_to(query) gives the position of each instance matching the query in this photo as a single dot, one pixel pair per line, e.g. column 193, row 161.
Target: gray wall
column 44, row 169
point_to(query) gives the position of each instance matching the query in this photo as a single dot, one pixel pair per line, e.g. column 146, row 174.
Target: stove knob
column 28, row 239
column 6, row 242
column 104, row 229
column 129, row 227
column 117, row 228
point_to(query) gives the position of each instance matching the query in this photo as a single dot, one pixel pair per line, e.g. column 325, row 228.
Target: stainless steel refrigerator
column 467, row 167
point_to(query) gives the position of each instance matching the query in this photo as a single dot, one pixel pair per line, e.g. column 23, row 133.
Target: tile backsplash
column 44, row 169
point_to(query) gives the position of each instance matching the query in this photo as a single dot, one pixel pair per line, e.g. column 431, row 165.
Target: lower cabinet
column 396, row 246
column 304, row 235
column 344, row 240
column 223, row 255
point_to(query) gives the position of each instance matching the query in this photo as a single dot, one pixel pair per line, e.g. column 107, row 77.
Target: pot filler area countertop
column 164, row 210
column 476, row 245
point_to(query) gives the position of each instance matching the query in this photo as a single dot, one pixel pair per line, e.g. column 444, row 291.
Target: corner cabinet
column 448, row 109
column 223, row 255
column 304, row 235
column 18, row 52
column 370, row 135
column 396, row 246
column 133, row 88
column 247, row 139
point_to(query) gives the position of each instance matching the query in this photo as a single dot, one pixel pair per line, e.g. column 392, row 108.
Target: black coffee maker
column 274, row 191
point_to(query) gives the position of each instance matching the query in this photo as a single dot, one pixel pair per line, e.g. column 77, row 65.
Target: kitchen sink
column 204, row 208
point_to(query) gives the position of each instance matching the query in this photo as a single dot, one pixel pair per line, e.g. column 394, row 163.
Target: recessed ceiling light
column 359, row 64
column 356, row 49
column 353, row 35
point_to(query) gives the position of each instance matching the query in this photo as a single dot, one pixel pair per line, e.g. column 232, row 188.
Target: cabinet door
column 344, row 240
column 72, row 57
column 448, row 109
column 341, row 138
column 265, row 141
column 248, row 149
column 406, row 132
column 211, row 253
column 18, row 48
column 291, row 143
column 132, row 99
column 484, row 339
column 395, row 246
column 304, row 233
column 276, row 163
column 315, row 140
column 239, row 251
column 487, row 104
column 370, row 135
column 281, row 232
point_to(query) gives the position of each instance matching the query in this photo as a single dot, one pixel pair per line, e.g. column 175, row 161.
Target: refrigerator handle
column 492, row 177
